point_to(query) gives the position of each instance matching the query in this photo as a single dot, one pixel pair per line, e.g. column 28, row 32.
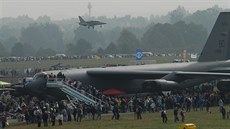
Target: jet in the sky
column 90, row 23
column 212, row 64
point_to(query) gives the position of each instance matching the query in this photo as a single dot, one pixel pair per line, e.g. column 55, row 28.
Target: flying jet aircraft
column 212, row 64
column 90, row 23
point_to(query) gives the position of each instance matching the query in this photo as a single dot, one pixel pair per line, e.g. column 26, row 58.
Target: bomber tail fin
column 81, row 19
column 217, row 47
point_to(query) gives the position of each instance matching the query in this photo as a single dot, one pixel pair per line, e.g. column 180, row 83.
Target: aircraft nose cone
column 36, row 84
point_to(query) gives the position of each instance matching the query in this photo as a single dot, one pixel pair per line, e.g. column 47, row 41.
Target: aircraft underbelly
column 128, row 86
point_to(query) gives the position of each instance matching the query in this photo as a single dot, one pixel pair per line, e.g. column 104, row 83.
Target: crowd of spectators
column 62, row 57
column 33, row 110
column 28, row 72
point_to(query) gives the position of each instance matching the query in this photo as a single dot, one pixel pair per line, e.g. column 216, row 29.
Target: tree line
column 178, row 30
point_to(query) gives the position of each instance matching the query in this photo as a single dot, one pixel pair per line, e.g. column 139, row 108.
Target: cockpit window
column 40, row 75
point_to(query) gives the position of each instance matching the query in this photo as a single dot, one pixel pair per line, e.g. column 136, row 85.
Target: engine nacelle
column 159, row 85
column 223, row 85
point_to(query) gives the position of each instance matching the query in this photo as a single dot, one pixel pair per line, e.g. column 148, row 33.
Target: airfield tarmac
column 21, row 66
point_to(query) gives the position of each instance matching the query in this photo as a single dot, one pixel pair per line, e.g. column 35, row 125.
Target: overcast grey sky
column 59, row 9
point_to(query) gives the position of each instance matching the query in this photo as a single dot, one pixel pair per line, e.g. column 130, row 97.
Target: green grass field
column 202, row 120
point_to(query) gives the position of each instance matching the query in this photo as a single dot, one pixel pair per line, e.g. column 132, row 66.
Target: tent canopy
column 113, row 92
column 2, row 83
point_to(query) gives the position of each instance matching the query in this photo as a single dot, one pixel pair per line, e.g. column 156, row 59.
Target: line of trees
column 178, row 30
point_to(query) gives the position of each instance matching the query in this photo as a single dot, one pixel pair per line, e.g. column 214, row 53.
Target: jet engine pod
column 223, row 85
column 158, row 85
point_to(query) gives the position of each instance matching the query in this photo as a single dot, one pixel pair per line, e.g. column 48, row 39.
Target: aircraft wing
column 127, row 74
column 111, row 74
column 94, row 23
column 7, row 89
column 191, row 75
column 100, row 23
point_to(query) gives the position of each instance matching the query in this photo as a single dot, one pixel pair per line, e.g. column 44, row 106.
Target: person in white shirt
column 60, row 118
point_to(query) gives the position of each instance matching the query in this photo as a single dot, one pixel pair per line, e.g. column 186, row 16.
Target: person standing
column 99, row 110
column 153, row 106
column 93, row 111
column 53, row 118
column 60, row 118
column 188, row 104
column 130, row 105
column 207, row 104
column 45, row 118
column 4, row 121
column 75, row 113
column 27, row 116
column 182, row 113
column 223, row 112
column 88, row 111
column 221, row 104
column 79, row 113
column 114, row 112
column 175, row 113
column 164, row 116
column 39, row 117
column 139, row 112
column 117, row 112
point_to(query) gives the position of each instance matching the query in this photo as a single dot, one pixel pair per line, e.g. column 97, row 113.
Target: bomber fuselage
column 133, row 85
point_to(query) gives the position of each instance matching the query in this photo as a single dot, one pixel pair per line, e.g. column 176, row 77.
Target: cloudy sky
column 59, row 9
